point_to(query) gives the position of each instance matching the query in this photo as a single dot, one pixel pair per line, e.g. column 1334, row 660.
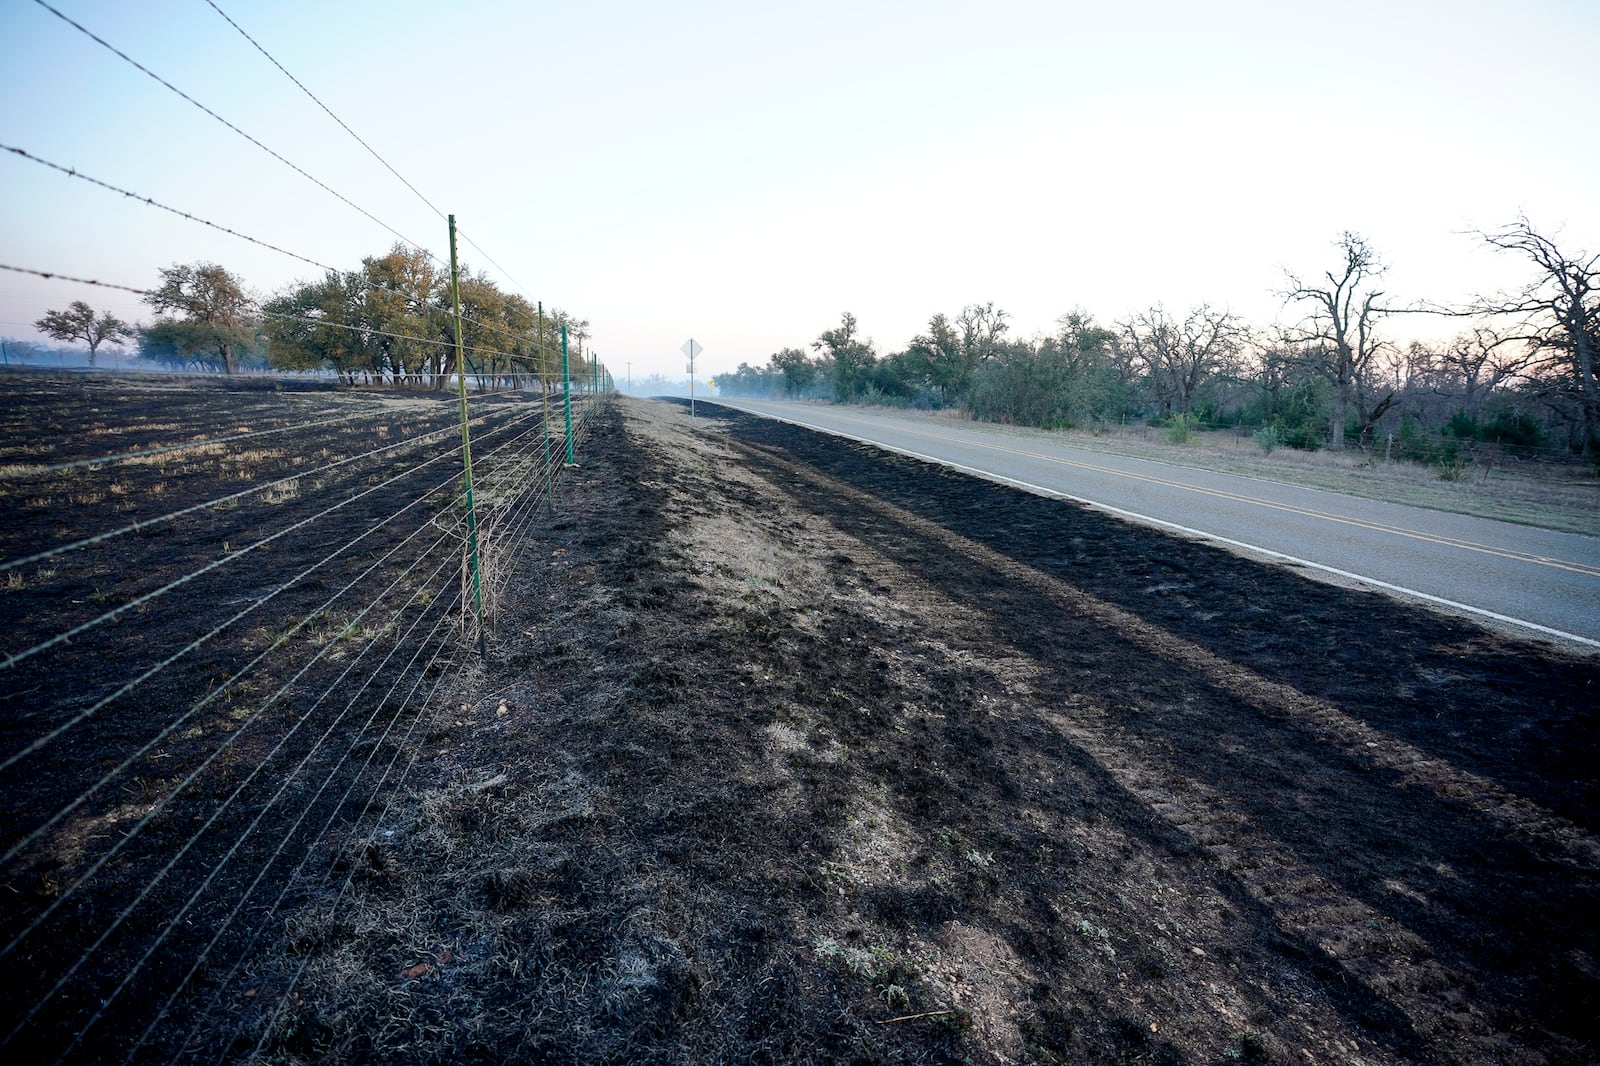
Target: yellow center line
column 1376, row 527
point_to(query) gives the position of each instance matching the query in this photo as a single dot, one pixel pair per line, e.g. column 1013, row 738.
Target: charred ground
column 791, row 750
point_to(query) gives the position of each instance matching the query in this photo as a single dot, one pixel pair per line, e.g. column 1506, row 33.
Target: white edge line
column 1190, row 531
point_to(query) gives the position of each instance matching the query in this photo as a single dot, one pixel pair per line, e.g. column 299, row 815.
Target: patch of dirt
column 790, row 750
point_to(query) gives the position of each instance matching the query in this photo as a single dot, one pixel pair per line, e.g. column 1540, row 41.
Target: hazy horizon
column 746, row 175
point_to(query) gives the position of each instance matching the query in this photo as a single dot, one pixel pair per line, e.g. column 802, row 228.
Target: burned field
column 790, row 750
column 225, row 608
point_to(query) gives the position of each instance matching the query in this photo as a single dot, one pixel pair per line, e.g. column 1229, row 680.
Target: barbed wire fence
column 232, row 621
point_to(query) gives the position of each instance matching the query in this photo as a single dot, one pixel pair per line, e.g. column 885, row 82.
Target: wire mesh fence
column 228, row 617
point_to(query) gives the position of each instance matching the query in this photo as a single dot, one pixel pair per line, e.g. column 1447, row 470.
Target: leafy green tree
column 203, row 314
column 80, row 323
column 852, row 357
column 937, row 360
column 797, row 369
column 1069, row 377
column 404, row 297
column 321, row 324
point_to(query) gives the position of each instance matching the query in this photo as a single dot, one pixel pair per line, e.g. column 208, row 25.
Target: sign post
column 691, row 348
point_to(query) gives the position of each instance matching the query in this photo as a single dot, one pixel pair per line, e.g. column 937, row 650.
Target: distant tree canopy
column 393, row 320
column 79, row 322
column 204, row 316
column 1523, row 375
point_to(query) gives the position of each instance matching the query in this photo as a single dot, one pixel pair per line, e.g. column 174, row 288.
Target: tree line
column 391, row 320
column 1520, row 374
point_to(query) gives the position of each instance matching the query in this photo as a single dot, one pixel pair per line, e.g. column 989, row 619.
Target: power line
column 162, row 81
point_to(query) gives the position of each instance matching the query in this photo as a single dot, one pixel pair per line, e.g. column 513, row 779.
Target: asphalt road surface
column 1517, row 577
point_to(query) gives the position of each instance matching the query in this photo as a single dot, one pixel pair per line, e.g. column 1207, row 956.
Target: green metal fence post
column 566, row 391
column 544, row 398
column 466, row 445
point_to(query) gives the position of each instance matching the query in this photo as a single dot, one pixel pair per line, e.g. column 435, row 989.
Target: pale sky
column 744, row 172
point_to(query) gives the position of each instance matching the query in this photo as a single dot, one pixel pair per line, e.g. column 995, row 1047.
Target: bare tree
column 1557, row 314
column 80, row 323
column 983, row 328
column 1180, row 357
column 1476, row 363
column 1339, row 330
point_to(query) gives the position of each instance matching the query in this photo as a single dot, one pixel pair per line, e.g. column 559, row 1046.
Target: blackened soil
column 220, row 606
column 791, row 750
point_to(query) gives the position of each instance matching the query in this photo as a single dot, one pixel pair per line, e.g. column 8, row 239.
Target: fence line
column 40, row 742
column 261, row 813
column 188, row 715
column 352, row 779
column 275, row 717
column 217, row 813
column 514, row 476
column 117, row 612
column 147, row 523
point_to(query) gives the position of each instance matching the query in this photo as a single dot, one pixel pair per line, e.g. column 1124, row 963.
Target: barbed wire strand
column 130, row 194
column 51, row 275
column 374, row 152
column 325, row 108
column 162, row 81
column 73, row 172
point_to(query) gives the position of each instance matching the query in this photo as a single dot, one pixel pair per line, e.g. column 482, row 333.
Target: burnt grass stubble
column 346, row 716
column 792, row 750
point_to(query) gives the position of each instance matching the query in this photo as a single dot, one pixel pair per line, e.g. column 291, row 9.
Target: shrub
column 1267, row 437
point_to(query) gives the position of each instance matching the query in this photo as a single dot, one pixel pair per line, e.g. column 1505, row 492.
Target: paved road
column 1517, row 576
